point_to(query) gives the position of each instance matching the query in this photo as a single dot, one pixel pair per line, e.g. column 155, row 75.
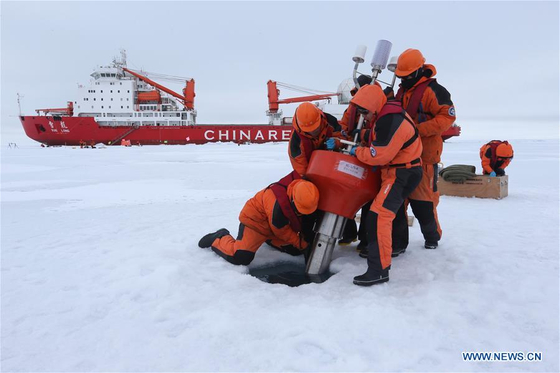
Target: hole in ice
column 287, row 273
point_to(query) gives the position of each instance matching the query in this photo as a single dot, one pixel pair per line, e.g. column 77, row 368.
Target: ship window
column 101, row 98
column 128, row 91
column 119, row 91
column 127, row 99
column 121, row 83
column 94, row 99
column 122, row 107
column 101, row 106
column 128, row 107
column 102, row 75
column 101, row 91
column 92, row 106
column 111, row 99
column 109, row 107
column 111, row 91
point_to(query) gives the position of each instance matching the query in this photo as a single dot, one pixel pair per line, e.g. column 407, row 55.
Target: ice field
column 101, row 269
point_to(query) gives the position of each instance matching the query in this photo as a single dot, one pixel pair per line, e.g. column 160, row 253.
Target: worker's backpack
column 493, row 150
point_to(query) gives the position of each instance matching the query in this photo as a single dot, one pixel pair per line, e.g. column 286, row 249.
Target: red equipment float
column 345, row 184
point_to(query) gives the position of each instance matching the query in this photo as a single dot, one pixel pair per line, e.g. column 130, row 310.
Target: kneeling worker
column 496, row 156
column 394, row 145
column 274, row 213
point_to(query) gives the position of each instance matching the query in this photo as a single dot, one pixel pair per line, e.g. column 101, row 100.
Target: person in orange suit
column 349, row 118
column 348, row 124
column 429, row 105
column 350, row 112
column 275, row 213
column 394, row 145
column 496, row 156
column 312, row 127
column 400, row 223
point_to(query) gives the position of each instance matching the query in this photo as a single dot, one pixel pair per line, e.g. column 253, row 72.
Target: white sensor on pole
column 360, row 54
column 381, row 55
column 392, row 66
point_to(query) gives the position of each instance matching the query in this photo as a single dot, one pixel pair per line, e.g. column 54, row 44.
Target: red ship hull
column 64, row 130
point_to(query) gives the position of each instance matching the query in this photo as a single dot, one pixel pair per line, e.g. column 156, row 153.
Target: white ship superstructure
column 117, row 98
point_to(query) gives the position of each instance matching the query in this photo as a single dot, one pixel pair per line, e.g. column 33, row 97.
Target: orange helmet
column 305, row 196
column 504, row 150
column 307, row 118
column 370, row 97
column 409, row 61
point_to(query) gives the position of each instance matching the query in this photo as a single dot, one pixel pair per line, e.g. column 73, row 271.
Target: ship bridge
column 107, row 72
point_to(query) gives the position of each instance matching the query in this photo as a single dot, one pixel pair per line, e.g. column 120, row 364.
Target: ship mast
column 122, row 61
column 19, row 102
column 123, row 57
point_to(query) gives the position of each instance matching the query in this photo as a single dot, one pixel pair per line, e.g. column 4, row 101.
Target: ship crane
column 274, row 113
column 187, row 98
column 68, row 110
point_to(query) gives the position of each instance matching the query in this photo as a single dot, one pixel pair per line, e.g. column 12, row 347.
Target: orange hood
column 431, row 68
column 370, row 97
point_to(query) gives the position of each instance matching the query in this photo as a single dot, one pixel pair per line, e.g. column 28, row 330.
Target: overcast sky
column 498, row 59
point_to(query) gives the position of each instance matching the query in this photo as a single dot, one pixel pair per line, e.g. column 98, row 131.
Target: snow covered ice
column 101, row 269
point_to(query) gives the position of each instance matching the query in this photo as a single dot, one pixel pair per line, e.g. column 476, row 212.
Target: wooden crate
column 481, row 186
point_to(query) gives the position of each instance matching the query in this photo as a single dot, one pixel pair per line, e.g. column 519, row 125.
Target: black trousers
column 396, row 186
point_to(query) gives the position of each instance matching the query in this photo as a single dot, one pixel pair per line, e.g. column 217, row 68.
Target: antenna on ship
column 19, row 102
column 123, row 57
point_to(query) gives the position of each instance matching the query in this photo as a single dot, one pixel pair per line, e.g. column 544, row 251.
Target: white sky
column 498, row 59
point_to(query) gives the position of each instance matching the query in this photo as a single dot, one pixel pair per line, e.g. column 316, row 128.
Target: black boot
column 207, row 240
column 350, row 233
column 364, row 252
column 397, row 252
column 372, row 278
column 430, row 245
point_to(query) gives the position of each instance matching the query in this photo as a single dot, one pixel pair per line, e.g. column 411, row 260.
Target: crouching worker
column 496, row 156
column 394, row 145
column 275, row 213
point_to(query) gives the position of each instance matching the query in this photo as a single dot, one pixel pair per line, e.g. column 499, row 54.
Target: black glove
column 362, row 134
column 500, row 172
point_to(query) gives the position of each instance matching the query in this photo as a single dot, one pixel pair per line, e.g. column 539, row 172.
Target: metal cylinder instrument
column 328, row 230
column 345, row 184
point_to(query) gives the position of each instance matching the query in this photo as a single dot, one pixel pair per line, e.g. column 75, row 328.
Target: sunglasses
column 361, row 110
column 410, row 76
column 316, row 132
